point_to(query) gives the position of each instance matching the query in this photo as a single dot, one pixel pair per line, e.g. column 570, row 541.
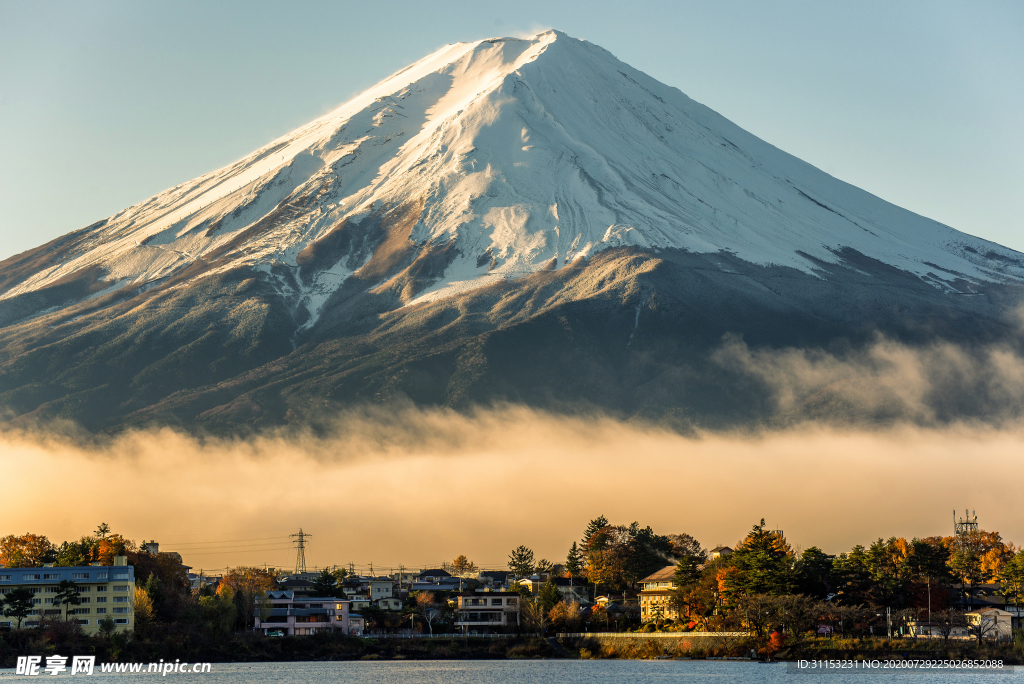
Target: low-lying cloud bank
column 420, row 486
column 885, row 382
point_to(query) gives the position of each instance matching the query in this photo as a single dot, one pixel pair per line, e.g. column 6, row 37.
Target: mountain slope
column 524, row 220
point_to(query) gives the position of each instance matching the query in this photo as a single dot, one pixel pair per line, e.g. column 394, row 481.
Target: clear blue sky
column 103, row 104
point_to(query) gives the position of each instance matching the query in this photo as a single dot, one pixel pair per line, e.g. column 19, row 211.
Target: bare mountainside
column 529, row 221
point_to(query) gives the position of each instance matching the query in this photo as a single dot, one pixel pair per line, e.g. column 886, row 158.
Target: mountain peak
column 520, row 155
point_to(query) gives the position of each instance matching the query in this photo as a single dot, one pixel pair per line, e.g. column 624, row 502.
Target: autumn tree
column 946, row 622
column 143, row 610
column 684, row 545
column 620, row 556
column 566, row 616
column 759, row 612
column 520, row 561
column 113, row 545
column 427, row 608
column 247, row 584
column 219, row 611
column 462, row 565
column 533, row 614
column 26, row 551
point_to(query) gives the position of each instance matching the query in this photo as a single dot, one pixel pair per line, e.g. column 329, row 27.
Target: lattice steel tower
column 300, row 550
column 965, row 528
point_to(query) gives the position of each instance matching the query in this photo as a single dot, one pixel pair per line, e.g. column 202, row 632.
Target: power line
column 220, row 541
column 228, row 546
column 238, row 551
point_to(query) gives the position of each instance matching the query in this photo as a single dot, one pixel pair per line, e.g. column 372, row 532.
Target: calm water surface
column 529, row 671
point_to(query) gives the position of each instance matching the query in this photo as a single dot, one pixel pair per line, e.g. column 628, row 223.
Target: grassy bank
column 808, row 648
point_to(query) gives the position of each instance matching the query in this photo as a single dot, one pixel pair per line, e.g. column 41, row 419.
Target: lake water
column 530, row 671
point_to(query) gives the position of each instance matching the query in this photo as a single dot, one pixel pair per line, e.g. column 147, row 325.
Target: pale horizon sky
column 104, row 104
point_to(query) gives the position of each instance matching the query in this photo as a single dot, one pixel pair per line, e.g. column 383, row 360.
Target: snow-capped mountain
column 483, row 171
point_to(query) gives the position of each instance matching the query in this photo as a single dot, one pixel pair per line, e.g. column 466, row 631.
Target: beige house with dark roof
column 655, row 595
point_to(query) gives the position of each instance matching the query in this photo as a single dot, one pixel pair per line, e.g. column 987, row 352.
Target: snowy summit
column 520, row 155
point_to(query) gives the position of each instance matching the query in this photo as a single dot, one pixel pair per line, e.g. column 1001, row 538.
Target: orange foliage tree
column 26, row 551
column 248, row 584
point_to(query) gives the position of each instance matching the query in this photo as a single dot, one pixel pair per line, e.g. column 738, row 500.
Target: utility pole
column 929, row 605
column 300, row 550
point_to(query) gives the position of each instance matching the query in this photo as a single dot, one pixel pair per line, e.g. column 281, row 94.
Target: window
column 83, row 599
column 102, row 587
column 6, row 624
column 83, row 589
column 49, row 600
column 81, row 622
column 52, row 590
column 51, row 576
column 120, row 599
column 81, row 611
column 120, row 587
column 120, row 610
column 32, row 623
column 101, row 599
column 5, row 578
column 101, row 611
column 119, row 576
column 34, row 590
column 120, row 621
column 101, row 575
column 36, row 602
column 79, row 575
column 29, row 578
column 495, row 602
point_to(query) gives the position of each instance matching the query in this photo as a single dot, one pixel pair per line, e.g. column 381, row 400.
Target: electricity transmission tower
column 300, row 550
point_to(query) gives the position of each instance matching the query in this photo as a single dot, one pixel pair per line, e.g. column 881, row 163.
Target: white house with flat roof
column 289, row 615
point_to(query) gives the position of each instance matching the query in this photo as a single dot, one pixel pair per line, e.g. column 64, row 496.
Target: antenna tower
column 300, row 550
column 965, row 528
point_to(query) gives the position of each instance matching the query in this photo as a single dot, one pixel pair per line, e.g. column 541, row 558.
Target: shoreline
column 328, row 647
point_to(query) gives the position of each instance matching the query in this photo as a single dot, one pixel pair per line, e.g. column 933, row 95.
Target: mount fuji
column 521, row 220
